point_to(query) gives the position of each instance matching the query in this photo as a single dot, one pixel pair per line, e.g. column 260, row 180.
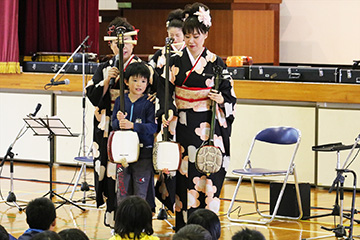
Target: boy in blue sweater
column 138, row 177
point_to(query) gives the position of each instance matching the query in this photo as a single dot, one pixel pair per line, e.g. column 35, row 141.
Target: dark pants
column 137, row 179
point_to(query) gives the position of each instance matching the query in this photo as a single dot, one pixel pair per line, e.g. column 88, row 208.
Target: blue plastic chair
column 274, row 136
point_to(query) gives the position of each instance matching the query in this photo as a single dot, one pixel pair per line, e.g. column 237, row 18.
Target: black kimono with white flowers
column 189, row 89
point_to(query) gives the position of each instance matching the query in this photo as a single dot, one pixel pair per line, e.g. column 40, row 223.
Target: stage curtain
column 59, row 25
column 9, row 44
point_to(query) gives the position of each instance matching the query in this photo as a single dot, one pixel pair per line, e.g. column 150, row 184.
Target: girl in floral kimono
column 103, row 96
column 191, row 82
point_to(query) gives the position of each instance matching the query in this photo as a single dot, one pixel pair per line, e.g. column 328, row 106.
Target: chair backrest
column 279, row 135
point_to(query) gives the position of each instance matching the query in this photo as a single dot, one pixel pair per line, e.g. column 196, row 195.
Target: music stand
column 51, row 127
column 338, row 184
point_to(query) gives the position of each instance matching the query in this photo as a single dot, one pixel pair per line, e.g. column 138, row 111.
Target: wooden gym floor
column 32, row 181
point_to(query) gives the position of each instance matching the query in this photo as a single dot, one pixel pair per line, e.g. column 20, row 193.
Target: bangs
column 192, row 25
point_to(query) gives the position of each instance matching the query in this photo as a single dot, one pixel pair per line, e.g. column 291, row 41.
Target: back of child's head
column 40, row 213
column 46, row 235
column 207, row 219
column 4, row 235
column 192, row 232
column 73, row 234
column 248, row 234
column 137, row 69
column 133, row 215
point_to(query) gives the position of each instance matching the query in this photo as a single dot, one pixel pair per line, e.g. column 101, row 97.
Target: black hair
column 46, row 235
column 175, row 19
column 40, row 213
column 73, row 234
column 137, row 69
column 133, row 215
column 120, row 22
column 208, row 219
column 248, row 234
column 192, row 23
column 192, row 232
column 4, row 235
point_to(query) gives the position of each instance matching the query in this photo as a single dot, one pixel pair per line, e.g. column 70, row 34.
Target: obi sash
column 192, row 98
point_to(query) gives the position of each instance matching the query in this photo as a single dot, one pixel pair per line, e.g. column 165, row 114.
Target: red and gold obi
column 192, row 98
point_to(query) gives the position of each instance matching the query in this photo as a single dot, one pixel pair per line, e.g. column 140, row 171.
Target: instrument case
column 53, row 67
column 349, row 76
column 239, row 73
column 289, row 73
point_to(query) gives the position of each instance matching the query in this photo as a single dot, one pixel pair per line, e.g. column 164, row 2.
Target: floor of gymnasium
column 32, row 181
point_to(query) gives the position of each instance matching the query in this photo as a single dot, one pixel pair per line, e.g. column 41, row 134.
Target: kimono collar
column 126, row 64
column 192, row 59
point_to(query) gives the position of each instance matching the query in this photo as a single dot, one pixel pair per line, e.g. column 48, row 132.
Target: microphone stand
column 12, row 197
column 85, row 158
column 52, row 81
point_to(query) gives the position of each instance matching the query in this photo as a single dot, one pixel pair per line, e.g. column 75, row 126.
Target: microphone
column 65, row 82
column 37, row 109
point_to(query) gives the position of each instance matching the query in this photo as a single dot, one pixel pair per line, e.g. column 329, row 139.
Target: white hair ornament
column 204, row 16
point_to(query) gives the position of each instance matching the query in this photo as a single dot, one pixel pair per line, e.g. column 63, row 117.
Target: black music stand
column 337, row 209
column 51, row 127
column 338, row 184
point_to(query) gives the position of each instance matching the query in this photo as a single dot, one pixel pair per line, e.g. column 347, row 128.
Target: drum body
column 166, row 155
column 123, row 144
column 208, row 159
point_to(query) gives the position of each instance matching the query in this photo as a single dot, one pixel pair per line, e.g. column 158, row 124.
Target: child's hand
column 166, row 122
column 120, row 115
column 151, row 97
column 126, row 124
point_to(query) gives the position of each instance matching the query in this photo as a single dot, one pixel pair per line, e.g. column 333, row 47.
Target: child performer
column 137, row 178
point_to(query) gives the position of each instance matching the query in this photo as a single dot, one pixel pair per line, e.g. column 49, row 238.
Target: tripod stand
column 12, row 197
column 51, row 127
column 340, row 229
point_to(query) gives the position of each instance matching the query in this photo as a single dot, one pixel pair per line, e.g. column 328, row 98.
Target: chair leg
column 255, row 196
column 233, row 199
column 77, row 180
column 279, row 199
column 298, row 196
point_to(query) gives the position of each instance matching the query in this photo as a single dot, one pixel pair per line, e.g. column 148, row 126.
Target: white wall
column 319, row 31
column 108, row 5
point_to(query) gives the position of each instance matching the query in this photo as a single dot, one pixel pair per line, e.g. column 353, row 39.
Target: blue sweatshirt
column 142, row 114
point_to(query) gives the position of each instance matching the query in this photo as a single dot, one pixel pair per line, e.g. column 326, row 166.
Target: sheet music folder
column 45, row 126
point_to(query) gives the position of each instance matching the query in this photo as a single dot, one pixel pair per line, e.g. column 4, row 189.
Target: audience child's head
column 137, row 74
column 192, row 232
column 248, row 234
column 133, row 216
column 41, row 214
column 46, row 235
column 208, row 219
column 73, row 234
column 4, row 235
